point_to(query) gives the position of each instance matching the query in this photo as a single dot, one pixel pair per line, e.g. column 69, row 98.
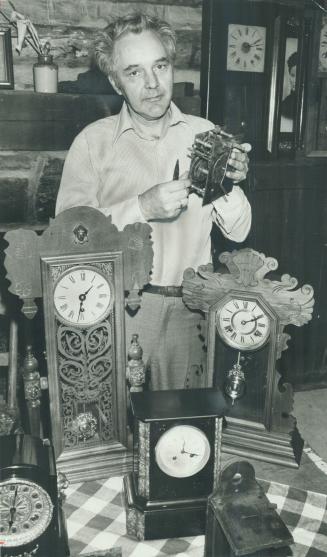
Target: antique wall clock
column 177, row 437
column 242, row 68
column 246, row 48
column 81, row 266
column 247, row 313
column 31, row 520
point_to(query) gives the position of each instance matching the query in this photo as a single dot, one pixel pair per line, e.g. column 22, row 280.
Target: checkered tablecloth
column 96, row 521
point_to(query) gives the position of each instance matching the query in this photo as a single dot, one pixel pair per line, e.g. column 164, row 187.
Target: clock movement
column 31, row 520
column 82, row 267
column 177, row 437
column 246, row 315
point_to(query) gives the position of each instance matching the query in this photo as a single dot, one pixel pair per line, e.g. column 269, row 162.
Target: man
column 124, row 166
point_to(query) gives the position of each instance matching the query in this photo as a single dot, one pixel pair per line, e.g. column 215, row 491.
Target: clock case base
column 254, row 443
column 95, row 464
column 157, row 520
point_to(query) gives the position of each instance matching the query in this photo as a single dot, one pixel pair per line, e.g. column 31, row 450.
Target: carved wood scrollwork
column 77, row 230
column 247, row 270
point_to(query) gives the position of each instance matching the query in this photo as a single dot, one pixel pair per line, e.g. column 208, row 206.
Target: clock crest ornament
column 246, row 316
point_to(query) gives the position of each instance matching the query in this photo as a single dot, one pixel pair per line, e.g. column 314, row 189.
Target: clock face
column 82, row 296
column 182, row 451
column 246, row 48
column 25, row 511
column 243, row 324
column 323, row 49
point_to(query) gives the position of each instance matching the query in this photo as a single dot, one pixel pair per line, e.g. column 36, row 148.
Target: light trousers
column 170, row 335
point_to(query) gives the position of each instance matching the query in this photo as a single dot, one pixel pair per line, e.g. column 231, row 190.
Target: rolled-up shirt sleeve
column 80, row 185
column 232, row 213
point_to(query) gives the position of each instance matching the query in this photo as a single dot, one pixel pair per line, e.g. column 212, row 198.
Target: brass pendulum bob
column 235, row 381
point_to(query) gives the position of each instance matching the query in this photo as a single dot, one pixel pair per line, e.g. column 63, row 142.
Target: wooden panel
column 43, row 121
column 289, row 202
column 322, row 120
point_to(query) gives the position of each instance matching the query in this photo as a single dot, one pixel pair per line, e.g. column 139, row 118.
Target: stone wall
column 29, row 180
column 71, row 26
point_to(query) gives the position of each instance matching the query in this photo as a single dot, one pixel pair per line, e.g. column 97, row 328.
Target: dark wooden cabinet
column 289, row 203
column 287, row 191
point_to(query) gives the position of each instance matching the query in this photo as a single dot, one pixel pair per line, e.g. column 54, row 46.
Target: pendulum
column 235, row 381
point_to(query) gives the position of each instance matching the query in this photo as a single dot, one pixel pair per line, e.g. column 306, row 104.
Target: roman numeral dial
column 243, row 324
column 246, row 48
column 82, row 296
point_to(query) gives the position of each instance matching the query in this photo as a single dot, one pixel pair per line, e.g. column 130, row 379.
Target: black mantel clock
column 177, row 437
column 31, row 520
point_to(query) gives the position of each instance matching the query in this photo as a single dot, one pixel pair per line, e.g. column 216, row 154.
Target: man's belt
column 174, row 291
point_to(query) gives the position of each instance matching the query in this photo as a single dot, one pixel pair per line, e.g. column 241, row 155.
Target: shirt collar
column 125, row 123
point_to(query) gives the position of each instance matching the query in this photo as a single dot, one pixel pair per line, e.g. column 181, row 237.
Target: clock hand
column 88, row 290
column 256, row 43
column 82, row 297
column 250, row 320
column 191, row 454
column 183, row 451
column 12, row 510
column 81, row 310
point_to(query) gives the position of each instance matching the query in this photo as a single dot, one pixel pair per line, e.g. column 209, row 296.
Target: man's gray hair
column 131, row 23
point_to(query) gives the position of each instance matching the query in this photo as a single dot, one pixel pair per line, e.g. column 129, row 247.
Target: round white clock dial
column 82, row 296
column 323, row 49
column 246, row 48
column 243, row 324
column 25, row 511
column 182, row 451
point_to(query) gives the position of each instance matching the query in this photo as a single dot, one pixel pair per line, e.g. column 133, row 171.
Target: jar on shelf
column 45, row 73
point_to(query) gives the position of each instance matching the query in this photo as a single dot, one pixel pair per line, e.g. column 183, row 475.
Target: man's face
column 143, row 74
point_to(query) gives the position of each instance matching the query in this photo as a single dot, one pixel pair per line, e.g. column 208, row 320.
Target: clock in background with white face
column 83, row 296
column 246, row 46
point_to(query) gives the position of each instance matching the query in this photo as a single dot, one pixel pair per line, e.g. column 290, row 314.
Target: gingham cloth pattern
column 96, row 522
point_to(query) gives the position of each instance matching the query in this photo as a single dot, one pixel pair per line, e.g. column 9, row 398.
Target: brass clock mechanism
column 209, row 163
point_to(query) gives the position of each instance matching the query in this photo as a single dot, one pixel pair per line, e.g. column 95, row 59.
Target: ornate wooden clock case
column 81, row 266
column 247, row 314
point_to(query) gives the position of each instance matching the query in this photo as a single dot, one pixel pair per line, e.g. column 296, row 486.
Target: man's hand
column 239, row 163
column 166, row 200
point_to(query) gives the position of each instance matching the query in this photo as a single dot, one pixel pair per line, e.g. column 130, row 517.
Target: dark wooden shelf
column 50, row 121
column 45, row 121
